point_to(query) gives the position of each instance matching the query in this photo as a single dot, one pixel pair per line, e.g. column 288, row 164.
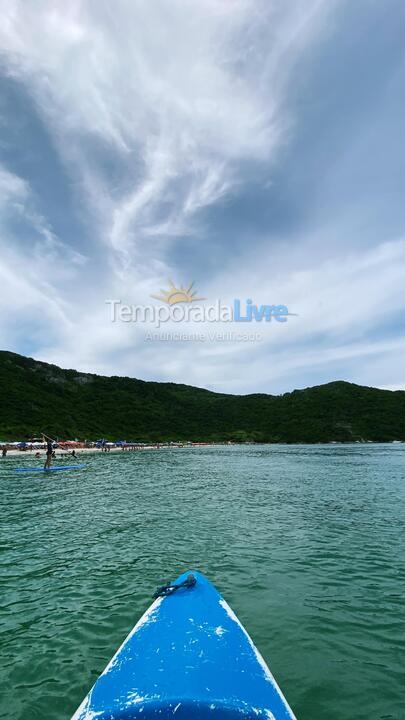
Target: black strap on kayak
column 188, row 583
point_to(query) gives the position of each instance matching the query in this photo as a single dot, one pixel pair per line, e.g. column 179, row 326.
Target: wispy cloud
column 34, row 265
column 190, row 135
column 178, row 92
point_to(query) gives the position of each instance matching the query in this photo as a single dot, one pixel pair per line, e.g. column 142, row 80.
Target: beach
column 81, row 452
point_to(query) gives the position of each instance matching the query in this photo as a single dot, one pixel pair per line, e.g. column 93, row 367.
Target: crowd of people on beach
column 71, row 448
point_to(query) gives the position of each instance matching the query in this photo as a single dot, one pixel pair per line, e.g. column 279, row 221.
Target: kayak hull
column 187, row 656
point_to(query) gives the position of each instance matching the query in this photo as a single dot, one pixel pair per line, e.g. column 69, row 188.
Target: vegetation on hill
column 37, row 397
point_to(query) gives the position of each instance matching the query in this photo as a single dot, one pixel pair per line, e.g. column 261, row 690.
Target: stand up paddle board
column 53, row 468
column 188, row 657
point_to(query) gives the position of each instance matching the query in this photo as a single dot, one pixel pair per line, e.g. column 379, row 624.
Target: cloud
column 342, row 330
column 191, row 138
column 34, row 265
column 178, row 93
column 12, row 188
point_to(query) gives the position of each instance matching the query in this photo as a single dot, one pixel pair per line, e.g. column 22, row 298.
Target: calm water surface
column 306, row 543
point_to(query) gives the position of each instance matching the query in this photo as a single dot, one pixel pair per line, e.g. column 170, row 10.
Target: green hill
column 36, row 396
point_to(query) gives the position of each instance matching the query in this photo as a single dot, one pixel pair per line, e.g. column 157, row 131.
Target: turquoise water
column 306, row 543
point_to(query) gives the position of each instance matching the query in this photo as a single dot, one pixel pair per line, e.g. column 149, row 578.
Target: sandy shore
column 59, row 453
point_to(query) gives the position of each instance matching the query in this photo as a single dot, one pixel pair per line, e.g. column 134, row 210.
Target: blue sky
column 255, row 147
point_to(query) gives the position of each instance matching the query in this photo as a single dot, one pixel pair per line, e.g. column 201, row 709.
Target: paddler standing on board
column 49, row 451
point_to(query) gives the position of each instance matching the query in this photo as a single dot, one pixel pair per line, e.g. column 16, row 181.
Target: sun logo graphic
column 175, row 294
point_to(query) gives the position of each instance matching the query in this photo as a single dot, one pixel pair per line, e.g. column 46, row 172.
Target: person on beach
column 4, row 452
column 49, row 453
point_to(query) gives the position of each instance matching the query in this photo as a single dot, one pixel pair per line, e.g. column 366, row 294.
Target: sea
column 305, row 542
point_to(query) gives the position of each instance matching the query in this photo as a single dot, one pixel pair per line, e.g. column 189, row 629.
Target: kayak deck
column 187, row 656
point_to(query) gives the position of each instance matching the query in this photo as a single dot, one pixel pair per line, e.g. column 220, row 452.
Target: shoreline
column 60, row 453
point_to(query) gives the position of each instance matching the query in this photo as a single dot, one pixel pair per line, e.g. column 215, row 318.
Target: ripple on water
column 306, row 543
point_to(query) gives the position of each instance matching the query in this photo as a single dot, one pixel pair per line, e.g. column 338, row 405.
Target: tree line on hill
column 37, row 397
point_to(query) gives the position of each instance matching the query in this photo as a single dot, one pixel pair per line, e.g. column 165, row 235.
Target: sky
column 253, row 147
